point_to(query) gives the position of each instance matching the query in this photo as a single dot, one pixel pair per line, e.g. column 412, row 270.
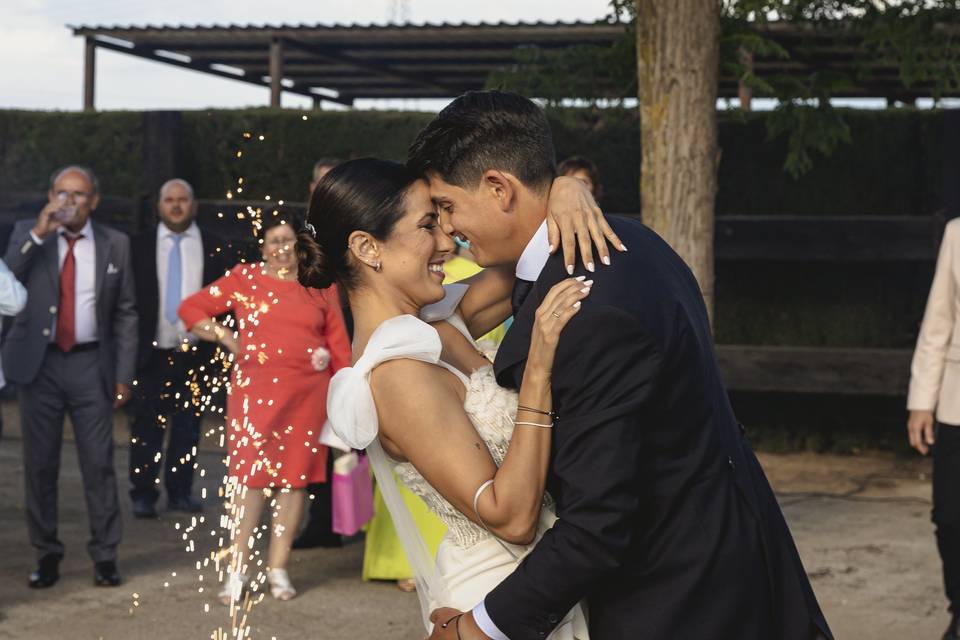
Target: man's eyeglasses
column 78, row 196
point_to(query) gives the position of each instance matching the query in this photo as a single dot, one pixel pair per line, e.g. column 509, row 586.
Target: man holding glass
column 71, row 351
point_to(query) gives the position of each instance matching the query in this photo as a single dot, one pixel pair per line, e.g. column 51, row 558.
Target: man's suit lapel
column 512, row 354
column 102, row 250
column 51, row 249
column 513, row 349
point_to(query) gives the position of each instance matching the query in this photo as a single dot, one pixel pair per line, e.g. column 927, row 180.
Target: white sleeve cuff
column 482, row 618
column 35, row 238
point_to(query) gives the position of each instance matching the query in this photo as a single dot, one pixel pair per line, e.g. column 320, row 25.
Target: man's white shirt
column 529, row 266
column 85, row 290
column 171, row 335
column 535, row 255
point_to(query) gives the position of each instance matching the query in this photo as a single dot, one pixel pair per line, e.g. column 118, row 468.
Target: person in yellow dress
column 460, row 267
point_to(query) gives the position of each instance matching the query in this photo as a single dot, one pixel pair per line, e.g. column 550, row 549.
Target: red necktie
column 66, row 319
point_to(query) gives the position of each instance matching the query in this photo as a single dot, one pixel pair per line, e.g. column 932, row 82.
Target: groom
column 668, row 528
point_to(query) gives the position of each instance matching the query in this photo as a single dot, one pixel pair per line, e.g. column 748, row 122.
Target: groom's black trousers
column 946, row 507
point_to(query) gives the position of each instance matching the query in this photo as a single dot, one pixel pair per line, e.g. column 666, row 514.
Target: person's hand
column 320, row 359
column 561, row 303
column 46, row 221
column 573, row 218
column 229, row 342
column 462, row 628
column 920, row 429
column 121, row 396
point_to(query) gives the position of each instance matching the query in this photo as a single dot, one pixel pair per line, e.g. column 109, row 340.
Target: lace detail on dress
column 492, row 409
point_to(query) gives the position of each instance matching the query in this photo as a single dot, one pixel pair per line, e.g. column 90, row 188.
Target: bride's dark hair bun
column 311, row 267
column 359, row 195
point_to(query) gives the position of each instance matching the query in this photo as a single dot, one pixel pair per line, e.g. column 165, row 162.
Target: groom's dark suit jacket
column 667, row 526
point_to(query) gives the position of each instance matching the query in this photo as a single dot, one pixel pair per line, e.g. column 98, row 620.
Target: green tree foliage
column 920, row 38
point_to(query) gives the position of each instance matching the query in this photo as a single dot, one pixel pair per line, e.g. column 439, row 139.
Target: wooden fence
column 855, row 371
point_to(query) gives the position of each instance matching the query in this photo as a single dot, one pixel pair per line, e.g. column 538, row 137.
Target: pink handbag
column 352, row 492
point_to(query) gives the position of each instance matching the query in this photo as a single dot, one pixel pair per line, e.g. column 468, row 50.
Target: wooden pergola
column 342, row 63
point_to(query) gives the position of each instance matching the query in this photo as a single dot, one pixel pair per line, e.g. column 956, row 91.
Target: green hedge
column 281, row 164
column 892, row 166
column 33, row 144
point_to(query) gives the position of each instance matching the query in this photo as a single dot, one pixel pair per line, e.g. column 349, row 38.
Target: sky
column 42, row 64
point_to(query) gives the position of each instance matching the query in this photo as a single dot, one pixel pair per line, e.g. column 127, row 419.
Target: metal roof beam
column 332, row 54
column 149, row 54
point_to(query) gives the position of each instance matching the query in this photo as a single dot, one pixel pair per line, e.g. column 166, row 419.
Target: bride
column 421, row 398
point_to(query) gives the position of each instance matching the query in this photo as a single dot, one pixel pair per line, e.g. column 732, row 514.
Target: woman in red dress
column 287, row 343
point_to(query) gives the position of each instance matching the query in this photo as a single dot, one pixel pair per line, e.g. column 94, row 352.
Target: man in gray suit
column 72, row 350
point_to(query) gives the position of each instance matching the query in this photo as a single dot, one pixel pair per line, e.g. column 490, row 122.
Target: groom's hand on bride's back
column 450, row 624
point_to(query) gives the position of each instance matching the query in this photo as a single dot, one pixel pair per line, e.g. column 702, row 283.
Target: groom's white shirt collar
column 534, row 256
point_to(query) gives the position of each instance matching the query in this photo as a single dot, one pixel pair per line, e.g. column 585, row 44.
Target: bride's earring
column 366, row 251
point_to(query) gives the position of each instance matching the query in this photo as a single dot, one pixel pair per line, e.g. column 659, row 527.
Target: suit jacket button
column 53, row 309
column 731, row 463
column 46, row 333
column 553, row 619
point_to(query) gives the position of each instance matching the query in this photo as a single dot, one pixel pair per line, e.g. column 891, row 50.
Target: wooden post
column 678, row 53
column 89, row 72
column 745, row 92
column 276, row 71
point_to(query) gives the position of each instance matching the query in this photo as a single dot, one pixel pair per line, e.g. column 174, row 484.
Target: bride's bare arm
column 422, row 420
column 573, row 219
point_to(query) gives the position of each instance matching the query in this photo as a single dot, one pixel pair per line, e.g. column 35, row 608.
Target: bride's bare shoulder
column 410, row 396
column 406, row 384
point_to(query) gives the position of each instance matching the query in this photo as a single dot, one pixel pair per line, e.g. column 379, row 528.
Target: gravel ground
column 862, row 525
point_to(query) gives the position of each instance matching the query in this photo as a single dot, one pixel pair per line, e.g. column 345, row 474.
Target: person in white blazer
column 13, row 298
column 934, row 405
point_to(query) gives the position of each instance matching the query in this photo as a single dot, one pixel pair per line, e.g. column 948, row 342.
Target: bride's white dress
column 470, row 561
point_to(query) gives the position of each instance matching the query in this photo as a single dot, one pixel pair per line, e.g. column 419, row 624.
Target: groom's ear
column 500, row 186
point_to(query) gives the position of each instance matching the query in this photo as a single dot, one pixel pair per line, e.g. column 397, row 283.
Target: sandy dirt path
column 862, row 525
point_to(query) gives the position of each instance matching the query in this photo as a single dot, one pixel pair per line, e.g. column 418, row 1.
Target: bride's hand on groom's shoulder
column 454, row 625
column 574, row 218
column 561, row 303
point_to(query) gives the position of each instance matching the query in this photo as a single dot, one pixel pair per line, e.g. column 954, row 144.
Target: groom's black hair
column 484, row 130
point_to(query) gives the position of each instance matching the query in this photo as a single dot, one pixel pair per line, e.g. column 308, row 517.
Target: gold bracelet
column 551, row 414
column 520, row 423
column 521, row 407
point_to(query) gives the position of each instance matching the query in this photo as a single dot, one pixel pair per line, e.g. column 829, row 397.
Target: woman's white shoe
column 280, row 586
column 233, row 588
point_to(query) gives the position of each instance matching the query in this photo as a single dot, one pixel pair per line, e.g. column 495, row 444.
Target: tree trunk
column 678, row 54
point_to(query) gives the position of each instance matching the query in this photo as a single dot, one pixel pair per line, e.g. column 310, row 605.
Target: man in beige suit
column 935, row 387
